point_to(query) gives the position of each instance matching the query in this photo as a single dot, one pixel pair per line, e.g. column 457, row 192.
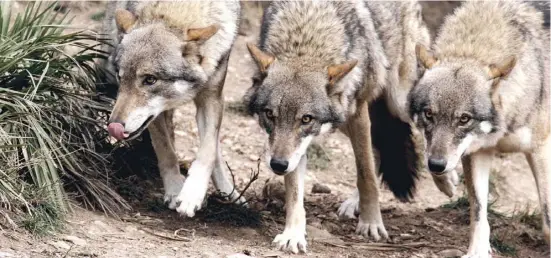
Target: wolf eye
column 306, row 119
column 269, row 114
column 428, row 114
column 149, row 80
column 464, row 119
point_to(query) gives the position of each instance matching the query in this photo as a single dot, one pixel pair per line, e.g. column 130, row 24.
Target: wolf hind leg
column 539, row 163
column 162, row 138
column 358, row 130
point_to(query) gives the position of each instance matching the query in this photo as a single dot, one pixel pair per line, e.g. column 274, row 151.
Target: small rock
column 321, row 234
column 75, row 240
column 60, row 245
column 332, row 216
column 406, row 236
column 238, row 255
column 315, row 222
column 395, row 228
column 450, row 253
column 274, row 190
column 253, row 157
column 5, row 254
column 247, row 232
column 180, row 133
column 330, row 226
column 319, row 188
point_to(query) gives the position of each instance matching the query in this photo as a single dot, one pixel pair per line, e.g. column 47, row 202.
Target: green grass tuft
column 44, row 219
column 52, row 139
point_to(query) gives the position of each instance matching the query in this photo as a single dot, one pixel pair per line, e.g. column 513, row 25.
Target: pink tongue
column 117, row 130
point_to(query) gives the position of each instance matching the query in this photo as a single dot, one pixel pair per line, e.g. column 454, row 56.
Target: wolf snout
column 279, row 165
column 437, row 164
column 117, row 130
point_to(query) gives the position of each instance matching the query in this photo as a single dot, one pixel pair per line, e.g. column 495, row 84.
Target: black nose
column 437, row 164
column 278, row 165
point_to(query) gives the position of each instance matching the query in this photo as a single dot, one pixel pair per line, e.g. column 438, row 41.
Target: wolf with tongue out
column 166, row 54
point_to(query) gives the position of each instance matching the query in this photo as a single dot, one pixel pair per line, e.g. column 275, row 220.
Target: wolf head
column 456, row 105
column 294, row 104
column 158, row 68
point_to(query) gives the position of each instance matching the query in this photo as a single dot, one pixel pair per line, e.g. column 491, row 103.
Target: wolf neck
column 491, row 38
column 183, row 15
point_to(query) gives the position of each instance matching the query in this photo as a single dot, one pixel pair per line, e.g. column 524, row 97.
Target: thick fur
column 397, row 148
column 320, row 64
column 487, row 91
column 164, row 55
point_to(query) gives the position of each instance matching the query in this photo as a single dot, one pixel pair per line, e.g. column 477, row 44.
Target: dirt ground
column 423, row 228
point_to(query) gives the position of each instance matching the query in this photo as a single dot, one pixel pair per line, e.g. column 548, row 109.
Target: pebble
column 75, row 240
column 319, row 188
column 238, row 255
column 450, row 253
column 60, row 245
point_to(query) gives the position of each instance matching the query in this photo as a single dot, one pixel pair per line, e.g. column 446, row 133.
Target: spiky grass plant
column 51, row 117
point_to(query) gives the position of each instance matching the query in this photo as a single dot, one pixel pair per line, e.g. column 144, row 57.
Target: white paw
column 374, row 228
column 349, row 209
column 191, row 198
column 173, row 185
column 234, row 198
column 477, row 255
column 291, row 240
column 241, row 201
column 481, row 250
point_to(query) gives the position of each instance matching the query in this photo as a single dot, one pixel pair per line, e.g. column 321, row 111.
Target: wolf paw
column 291, row 240
column 172, row 185
column 374, row 228
column 481, row 251
column 349, row 209
column 191, row 197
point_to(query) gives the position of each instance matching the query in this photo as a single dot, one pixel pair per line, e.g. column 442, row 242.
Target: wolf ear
column 262, row 59
column 125, row 20
column 503, row 69
column 336, row 72
column 425, row 57
column 201, row 34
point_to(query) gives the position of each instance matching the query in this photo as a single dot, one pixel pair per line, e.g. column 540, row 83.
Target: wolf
column 486, row 90
column 323, row 66
column 166, row 54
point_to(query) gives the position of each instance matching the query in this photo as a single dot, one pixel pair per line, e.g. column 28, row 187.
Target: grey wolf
column 167, row 54
column 324, row 66
column 486, row 90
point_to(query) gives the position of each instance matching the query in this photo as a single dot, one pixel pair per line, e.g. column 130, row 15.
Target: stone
column 319, row 188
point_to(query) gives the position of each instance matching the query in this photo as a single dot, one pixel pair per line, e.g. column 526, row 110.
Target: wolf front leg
column 358, row 129
column 162, row 138
column 293, row 237
column 476, row 168
column 539, row 163
column 210, row 108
